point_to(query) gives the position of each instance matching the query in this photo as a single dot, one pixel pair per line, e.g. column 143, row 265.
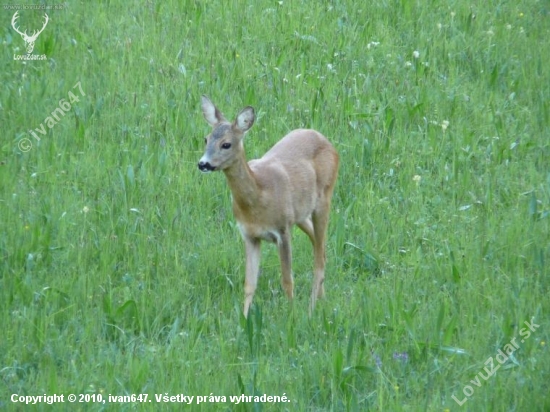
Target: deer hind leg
column 285, row 255
column 253, row 254
column 307, row 228
column 315, row 231
column 320, row 223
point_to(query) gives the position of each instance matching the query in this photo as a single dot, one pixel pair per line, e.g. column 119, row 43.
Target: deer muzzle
column 206, row 167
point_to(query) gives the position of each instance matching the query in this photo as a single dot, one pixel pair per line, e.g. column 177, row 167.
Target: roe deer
column 291, row 184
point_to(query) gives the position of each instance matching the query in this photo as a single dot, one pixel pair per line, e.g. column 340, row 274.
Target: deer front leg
column 285, row 255
column 253, row 253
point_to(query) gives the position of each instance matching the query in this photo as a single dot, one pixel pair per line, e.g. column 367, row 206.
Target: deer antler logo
column 29, row 40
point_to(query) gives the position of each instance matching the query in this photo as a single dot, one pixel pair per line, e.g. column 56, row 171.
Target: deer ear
column 211, row 113
column 245, row 119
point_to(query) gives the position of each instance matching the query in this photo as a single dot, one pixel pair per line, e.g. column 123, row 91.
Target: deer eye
column 226, row 145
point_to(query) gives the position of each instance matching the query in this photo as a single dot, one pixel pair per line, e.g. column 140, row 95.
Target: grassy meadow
column 121, row 267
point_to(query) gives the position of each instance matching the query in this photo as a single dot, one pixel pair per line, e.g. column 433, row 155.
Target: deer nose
column 205, row 167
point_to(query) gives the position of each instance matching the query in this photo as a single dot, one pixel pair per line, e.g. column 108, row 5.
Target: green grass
column 121, row 268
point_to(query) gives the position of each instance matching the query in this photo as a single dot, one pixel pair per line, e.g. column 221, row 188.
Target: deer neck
column 242, row 183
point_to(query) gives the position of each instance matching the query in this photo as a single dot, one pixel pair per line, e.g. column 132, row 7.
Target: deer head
column 29, row 40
